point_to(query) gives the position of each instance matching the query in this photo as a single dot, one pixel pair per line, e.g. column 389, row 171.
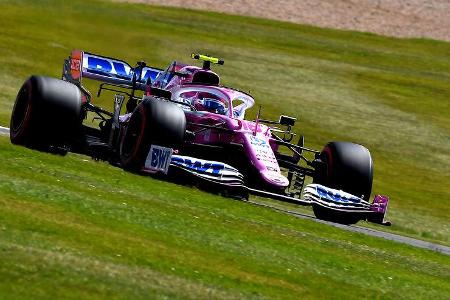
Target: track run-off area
column 352, row 228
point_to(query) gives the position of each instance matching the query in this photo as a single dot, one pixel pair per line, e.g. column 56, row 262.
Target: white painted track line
column 4, row 130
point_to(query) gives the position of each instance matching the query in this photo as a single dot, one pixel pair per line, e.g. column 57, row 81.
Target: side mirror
column 286, row 120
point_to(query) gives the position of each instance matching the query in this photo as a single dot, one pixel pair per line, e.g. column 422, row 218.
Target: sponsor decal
column 115, row 68
column 267, row 156
column 262, row 150
column 251, row 126
column 158, row 159
column 336, row 196
column 256, row 141
column 276, row 178
column 75, row 64
column 199, row 165
column 271, row 169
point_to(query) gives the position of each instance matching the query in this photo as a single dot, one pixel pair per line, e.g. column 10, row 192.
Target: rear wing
column 82, row 64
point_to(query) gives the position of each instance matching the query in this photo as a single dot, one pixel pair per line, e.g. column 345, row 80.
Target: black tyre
column 347, row 167
column 346, row 218
column 47, row 113
column 152, row 122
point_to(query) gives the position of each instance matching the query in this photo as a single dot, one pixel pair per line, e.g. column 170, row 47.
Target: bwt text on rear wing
column 82, row 64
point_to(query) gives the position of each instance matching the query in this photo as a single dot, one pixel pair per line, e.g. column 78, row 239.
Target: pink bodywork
column 256, row 138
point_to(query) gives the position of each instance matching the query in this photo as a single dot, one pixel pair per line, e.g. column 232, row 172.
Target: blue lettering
column 154, row 161
column 116, row 68
column 205, row 167
column 188, row 163
column 162, row 159
column 323, row 193
column 120, row 70
column 177, row 160
column 337, row 197
column 217, row 168
column 149, row 73
column 198, row 165
column 99, row 64
column 258, row 142
column 354, row 200
column 201, row 167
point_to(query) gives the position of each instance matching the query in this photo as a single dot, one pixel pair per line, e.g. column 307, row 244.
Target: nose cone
column 275, row 179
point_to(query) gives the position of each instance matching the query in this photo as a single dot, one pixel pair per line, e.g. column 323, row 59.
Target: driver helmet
column 213, row 105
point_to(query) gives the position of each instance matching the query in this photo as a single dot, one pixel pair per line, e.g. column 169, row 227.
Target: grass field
column 68, row 231
column 153, row 238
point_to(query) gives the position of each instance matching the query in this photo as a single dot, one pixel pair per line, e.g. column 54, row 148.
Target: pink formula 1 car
column 183, row 123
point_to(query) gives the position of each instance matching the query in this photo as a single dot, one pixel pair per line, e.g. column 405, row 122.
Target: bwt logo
column 114, row 68
column 336, row 196
column 158, row 159
column 199, row 165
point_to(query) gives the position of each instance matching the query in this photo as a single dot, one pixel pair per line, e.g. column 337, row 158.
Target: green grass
column 69, row 231
column 63, row 237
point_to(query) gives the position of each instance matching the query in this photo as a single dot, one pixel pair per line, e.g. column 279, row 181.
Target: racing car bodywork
column 183, row 123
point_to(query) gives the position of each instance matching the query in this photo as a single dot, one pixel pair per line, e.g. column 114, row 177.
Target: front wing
column 337, row 201
column 314, row 194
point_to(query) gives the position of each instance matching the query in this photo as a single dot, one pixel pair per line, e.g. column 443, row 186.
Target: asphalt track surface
column 353, row 228
column 368, row 231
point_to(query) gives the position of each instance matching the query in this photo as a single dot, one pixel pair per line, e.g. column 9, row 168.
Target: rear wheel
column 152, row 122
column 347, row 167
column 46, row 114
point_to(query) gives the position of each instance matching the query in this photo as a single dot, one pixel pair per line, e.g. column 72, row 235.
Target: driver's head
column 214, row 106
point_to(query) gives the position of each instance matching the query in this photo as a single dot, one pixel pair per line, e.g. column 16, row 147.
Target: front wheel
column 152, row 122
column 347, row 167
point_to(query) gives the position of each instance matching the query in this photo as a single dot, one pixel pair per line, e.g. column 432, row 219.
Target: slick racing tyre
column 46, row 114
column 155, row 122
column 347, row 167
